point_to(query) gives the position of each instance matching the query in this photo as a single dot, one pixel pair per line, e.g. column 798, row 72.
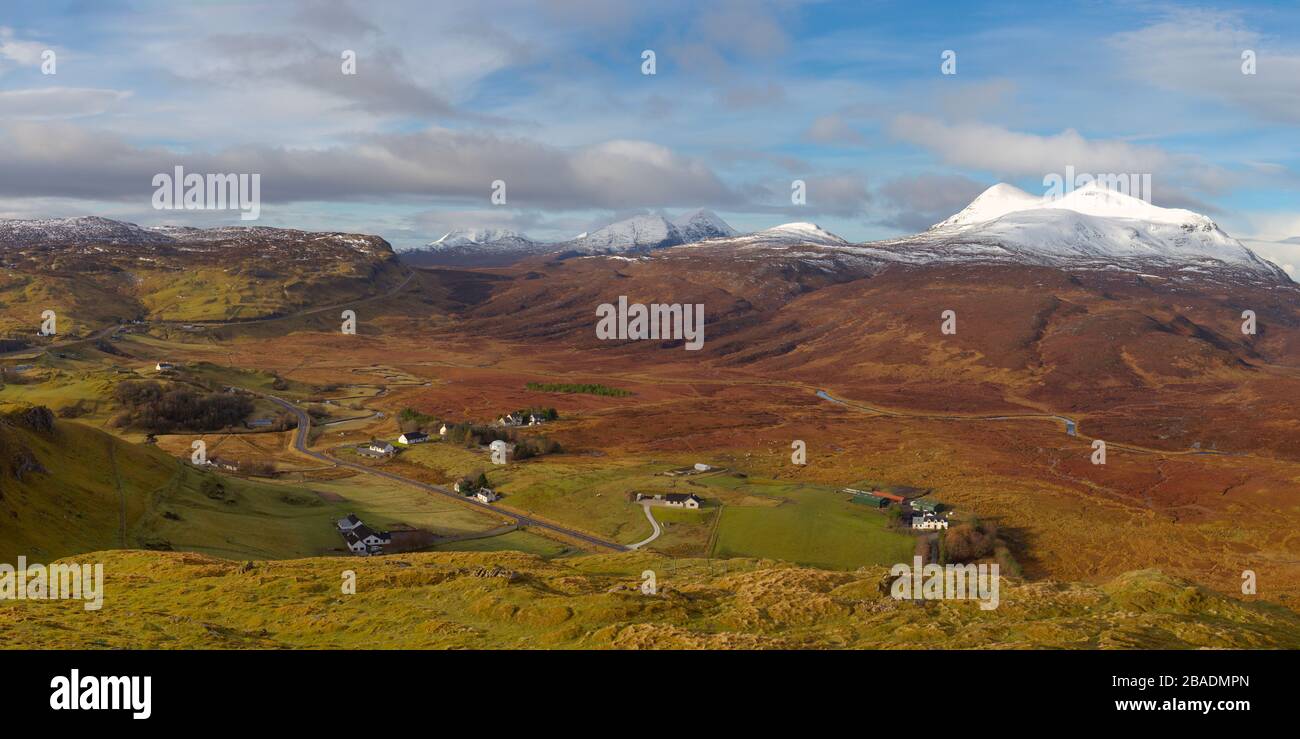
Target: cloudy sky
column 550, row 98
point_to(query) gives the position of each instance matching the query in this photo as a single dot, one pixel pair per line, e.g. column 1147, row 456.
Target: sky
column 551, row 98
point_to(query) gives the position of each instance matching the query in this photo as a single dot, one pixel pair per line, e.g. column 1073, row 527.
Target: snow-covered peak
column 702, row 224
column 797, row 233
column 631, row 234
column 1093, row 199
column 1091, row 226
column 993, row 203
column 479, row 237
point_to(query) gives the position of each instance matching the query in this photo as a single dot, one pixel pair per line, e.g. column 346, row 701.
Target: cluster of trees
column 409, row 419
column 153, row 407
column 574, row 387
column 472, row 435
column 968, row 542
column 470, row 484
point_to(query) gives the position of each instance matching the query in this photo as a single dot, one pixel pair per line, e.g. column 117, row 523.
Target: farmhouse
column 164, row 366
column 675, row 500
column 443, row 431
column 348, row 523
column 929, row 522
column 413, row 437
column 513, row 419
column 372, row 539
column 377, row 449
column 355, row 545
column 486, row 495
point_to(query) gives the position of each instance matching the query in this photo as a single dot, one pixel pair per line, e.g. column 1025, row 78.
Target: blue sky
column 549, row 97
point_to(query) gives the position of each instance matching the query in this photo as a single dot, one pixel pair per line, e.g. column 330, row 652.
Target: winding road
column 657, row 531
column 300, row 444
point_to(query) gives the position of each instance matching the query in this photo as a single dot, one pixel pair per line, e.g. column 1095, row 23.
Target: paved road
column 655, row 524
column 300, row 443
column 41, row 349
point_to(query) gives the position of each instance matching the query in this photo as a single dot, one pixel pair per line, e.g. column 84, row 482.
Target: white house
column 486, row 495
column 355, row 544
column 413, row 437
column 701, row 467
column 682, row 500
column 371, row 538
column 163, row 366
column 382, row 447
column 929, row 523
column 349, row 523
column 443, row 431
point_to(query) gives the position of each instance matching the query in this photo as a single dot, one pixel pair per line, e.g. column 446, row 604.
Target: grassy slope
column 512, row 600
column 74, row 506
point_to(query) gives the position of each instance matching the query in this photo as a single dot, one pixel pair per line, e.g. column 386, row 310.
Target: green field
column 810, row 525
column 515, row 541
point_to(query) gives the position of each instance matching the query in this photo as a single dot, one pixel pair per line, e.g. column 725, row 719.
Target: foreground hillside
column 511, row 600
column 93, row 273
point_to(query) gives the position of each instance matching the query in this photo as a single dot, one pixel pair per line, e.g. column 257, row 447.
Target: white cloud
column 1199, row 53
column 58, row 102
column 26, row 53
column 1016, row 154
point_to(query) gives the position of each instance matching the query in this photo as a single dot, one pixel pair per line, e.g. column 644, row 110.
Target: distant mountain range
column 499, row 247
column 1089, row 228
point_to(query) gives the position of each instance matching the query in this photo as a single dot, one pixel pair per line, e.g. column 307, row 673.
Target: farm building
column 927, row 505
column 164, row 366
column 682, row 500
column 349, row 523
column 877, row 494
column 867, row 499
column 413, row 437
column 486, row 495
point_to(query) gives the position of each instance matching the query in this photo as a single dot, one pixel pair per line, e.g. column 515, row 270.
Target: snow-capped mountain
column 638, row 233
column 490, row 238
column 793, row 234
column 86, row 230
column 700, row 225
column 1091, row 227
column 475, row 247
column 652, row 231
